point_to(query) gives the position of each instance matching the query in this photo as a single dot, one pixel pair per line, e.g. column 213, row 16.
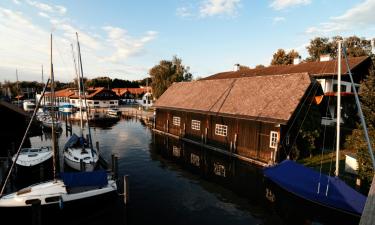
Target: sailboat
column 79, row 152
column 30, row 157
column 326, row 198
column 63, row 192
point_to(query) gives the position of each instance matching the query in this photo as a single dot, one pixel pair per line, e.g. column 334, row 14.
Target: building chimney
column 236, row 67
column 297, row 60
column 325, row 58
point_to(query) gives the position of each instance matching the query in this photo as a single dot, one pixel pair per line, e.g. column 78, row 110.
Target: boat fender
column 61, row 203
column 270, row 195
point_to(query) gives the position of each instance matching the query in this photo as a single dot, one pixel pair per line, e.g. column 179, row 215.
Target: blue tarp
column 303, row 182
column 80, row 179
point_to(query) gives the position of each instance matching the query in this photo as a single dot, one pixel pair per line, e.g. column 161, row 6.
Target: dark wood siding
column 244, row 137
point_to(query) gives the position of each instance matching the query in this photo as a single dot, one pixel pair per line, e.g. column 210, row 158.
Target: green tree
column 167, row 72
column 356, row 140
column 259, row 66
column 321, row 46
column 282, row 58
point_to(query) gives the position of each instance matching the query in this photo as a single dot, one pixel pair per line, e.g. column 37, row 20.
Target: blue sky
column 124, row 39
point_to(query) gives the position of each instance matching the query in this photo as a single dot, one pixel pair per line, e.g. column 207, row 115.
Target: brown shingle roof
column 134, row 91
column 63, row 93
column 314, row 68
column 265, row 98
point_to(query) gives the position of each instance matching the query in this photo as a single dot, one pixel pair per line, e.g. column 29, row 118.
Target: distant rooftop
column 316, row 69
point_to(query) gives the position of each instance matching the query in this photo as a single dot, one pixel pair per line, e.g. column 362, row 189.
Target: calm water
column 170, row 186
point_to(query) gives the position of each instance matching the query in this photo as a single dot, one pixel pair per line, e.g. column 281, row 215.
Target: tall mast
column 53, row 116
column 338, row 108
column 18, row 89
column 83, row 88
column 79, row 91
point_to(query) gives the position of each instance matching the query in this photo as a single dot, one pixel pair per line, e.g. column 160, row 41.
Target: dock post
column 36, row 212
column 82, row 165
column 66, row 126
column 116, row 167
column 97, row 147
column 126, row 189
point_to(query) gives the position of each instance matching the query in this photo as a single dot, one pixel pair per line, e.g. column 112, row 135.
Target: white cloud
column 69, row 32
column 219, row 7
column 125, row 45
column 183, row 12
column 16, row 2
column 361, row 16
column 19, row 49
column 282, row 4
column 278, row 19
column 42, row 14
column 47, row 8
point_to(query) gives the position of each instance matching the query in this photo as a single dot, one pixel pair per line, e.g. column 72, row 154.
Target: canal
column 173, row 182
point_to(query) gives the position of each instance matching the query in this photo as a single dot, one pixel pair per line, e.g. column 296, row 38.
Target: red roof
column 134, row 91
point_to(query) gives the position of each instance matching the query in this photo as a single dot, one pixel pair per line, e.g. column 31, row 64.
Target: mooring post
column 97, row 147
column 126, row 189
column 113, row 163
column 36, row 212
column 82, row 165
column 116, row 167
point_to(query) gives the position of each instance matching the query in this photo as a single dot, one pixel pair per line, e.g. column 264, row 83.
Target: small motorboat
column 113, row 112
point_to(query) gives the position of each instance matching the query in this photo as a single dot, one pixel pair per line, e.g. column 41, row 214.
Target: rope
column 324, row 138
column 23, row 139
column 295, row 119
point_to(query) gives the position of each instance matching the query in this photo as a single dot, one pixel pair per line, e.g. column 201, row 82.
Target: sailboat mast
column 338, row 117
column 83, row 88
column 53, row 116
column 79, row 91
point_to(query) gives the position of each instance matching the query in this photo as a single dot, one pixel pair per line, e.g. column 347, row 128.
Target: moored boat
column 29, row 157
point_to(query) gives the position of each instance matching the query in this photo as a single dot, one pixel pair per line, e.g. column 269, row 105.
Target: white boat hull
column 50, row 193
column 73, row 157
column 29, row 157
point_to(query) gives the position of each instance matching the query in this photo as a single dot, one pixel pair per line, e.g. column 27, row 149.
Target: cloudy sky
column 124, row 39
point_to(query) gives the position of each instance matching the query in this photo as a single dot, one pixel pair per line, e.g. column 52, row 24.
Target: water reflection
column 173, row 182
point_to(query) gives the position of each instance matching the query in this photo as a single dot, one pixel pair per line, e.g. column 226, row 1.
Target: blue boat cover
column 304, row 182
column 80, row 179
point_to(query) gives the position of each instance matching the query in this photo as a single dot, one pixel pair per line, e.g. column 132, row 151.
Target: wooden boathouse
column 245, row 117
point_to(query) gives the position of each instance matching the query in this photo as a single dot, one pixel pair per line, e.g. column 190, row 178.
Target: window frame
column 274, row 137
column 195, row 124
column 221, row 130
column 176, row 121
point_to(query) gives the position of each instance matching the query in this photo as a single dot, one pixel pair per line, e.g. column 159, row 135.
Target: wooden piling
column 36, row 212
column 82, row 165
column 126, row 189
column 97, row 147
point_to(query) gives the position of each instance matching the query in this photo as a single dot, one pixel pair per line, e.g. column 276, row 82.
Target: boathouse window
column 176, row 121
column 111, row 102
column 273, row 139
column 96, row 103
column 73, row 101
column 221, row 130
column 195, row 124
